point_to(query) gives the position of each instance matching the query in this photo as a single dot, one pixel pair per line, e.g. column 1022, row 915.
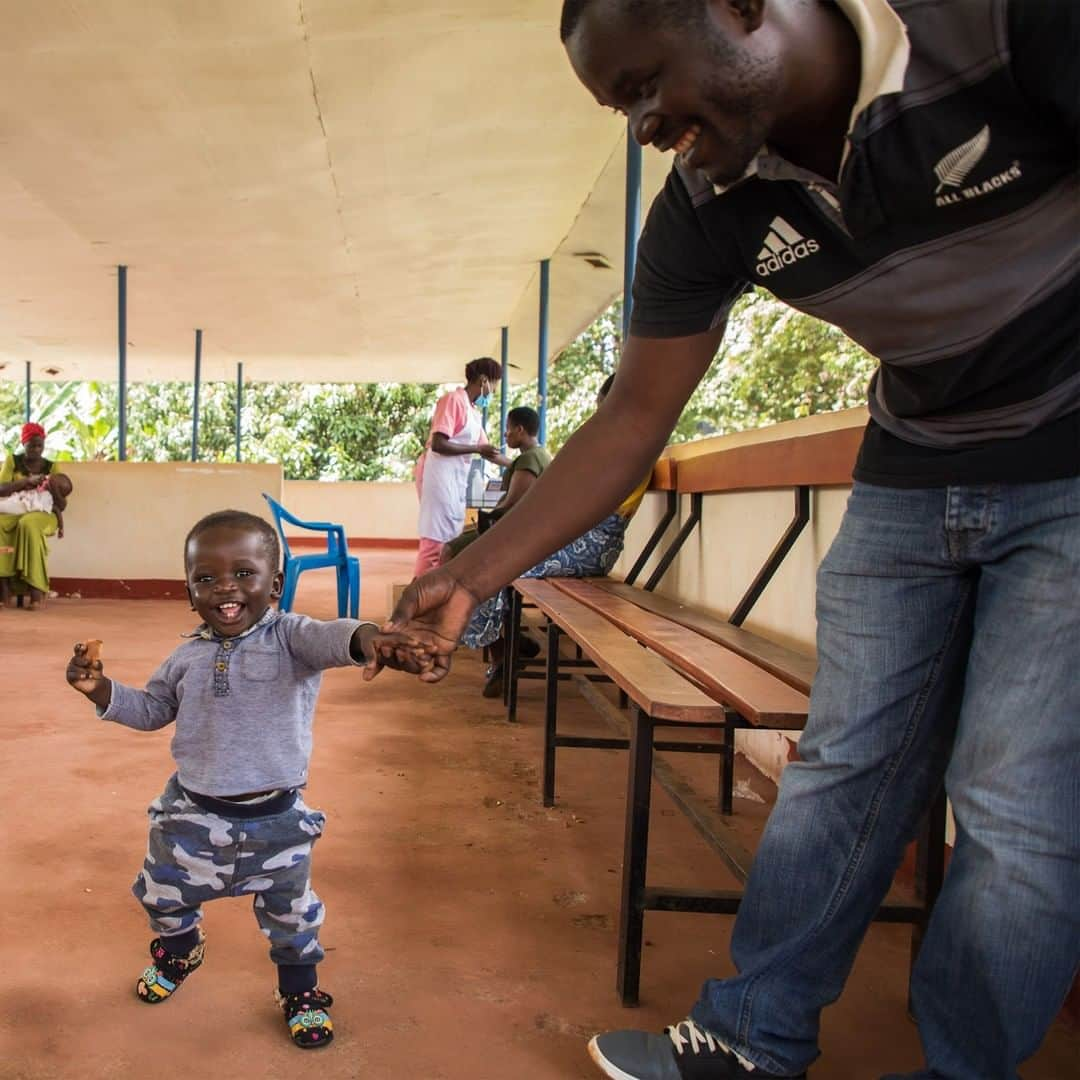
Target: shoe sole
column 608, row 1068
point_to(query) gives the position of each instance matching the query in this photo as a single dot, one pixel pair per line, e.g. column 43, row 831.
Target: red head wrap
column 30, row 430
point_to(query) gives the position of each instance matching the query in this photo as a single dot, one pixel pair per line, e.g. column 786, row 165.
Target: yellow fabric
column 23, row 551
column 629, row 505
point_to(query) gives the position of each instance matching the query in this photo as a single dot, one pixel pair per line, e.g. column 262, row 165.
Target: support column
column 504, row 388
column 239, row 406
column 633, row 224
column 195, row 397
column 122, row 362
column 28, row 391
column 542, row 348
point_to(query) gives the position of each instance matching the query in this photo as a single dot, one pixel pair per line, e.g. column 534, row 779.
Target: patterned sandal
column 307, row 1018
column 161, row 979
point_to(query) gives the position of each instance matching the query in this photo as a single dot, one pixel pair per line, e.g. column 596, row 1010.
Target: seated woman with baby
column 33, row 496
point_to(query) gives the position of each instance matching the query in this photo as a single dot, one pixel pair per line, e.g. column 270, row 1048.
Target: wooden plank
column 793, row 668
column 664, row 475
column 758, row 696
column 647, row 680
column 820, row 460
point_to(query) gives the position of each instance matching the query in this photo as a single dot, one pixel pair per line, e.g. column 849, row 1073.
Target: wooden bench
column 757, row 683
column 660, row 697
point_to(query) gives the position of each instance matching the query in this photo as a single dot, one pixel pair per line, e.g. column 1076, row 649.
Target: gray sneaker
column 684, row 1052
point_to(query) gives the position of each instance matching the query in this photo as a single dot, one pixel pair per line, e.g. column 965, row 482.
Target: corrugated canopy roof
column 332, row 189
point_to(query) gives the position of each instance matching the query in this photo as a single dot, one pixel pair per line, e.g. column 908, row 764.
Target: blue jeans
column 949, row 649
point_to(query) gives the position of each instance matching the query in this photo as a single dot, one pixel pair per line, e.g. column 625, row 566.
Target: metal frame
column 195, row 397
column 504, row 385
column 121, row 333
column 239, row 406
column 28, row 392
column 632, row 225
column 542, row 346
column 654, row 540
column 772, row 563
column 689, row 525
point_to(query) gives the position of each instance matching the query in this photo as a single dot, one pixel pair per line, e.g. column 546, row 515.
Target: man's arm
column 591, row 475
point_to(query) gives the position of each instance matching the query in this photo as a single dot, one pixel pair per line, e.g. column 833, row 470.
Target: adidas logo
column 784, row 246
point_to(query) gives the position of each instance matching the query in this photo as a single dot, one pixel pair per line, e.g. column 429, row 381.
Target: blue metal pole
column 504, row 388
column 633, row 225
column 28, row 391
column 542, row 348
column 239, row 405
column 122, row 373
column 195, row 397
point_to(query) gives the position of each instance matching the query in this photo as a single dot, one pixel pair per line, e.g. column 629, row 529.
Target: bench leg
column 510, row 649
column 551, row 709
column 727, row 766
column 929, row 871
column 635, row 857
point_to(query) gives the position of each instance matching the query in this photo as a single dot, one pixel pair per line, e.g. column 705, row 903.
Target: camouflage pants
column 195, row 855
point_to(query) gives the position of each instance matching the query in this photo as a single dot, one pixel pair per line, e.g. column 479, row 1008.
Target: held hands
column 435, row 609
column 86, row 675
column 403, row 652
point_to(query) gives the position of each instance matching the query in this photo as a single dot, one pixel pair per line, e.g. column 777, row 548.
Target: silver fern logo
column 952, row 170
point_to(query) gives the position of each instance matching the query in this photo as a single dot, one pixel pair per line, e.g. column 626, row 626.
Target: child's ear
column 276, row 585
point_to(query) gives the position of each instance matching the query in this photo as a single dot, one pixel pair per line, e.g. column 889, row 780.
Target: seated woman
column 590, row 555
column 522, row 427
column 23, row 551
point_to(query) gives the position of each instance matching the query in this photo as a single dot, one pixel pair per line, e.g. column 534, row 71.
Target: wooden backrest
column 648, row 681
column 821, row 460
column 786, row 664
column 757, row 695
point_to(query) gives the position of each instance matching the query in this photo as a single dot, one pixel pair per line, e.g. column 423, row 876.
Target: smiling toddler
column 231, row 821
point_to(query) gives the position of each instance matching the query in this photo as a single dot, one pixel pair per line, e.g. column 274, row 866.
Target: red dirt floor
column 470, row 933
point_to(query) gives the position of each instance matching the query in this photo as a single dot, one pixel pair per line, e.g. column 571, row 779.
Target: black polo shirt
column 949, row 248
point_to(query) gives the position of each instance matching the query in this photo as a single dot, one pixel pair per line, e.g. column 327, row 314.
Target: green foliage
column 775, row 364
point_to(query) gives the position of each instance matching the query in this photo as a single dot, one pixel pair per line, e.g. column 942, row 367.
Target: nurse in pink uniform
column 442, row 473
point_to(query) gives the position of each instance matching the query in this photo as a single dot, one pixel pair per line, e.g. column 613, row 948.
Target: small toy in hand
column 93, row 649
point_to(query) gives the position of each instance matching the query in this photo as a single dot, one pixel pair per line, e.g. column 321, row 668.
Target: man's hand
column 435, row 608
column 404, row 652
column 87, row 677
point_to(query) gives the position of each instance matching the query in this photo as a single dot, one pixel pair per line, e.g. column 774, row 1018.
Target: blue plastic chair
column 336, row 555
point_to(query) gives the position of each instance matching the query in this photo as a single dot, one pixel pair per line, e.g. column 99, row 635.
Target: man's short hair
column 524, row 417
column 483, row 365
column 650, row 13
column 241, row 521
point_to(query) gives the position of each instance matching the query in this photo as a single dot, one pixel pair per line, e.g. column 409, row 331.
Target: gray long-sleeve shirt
column 243, row 706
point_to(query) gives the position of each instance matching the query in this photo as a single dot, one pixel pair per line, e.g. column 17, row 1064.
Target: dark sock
column 296, row 978
column 181, row 944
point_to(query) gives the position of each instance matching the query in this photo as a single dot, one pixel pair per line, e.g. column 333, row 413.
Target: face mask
column 483, row 401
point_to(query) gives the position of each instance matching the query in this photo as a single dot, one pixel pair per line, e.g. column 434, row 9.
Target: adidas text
column 787, row 256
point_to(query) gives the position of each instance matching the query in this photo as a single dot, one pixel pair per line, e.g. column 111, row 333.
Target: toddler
column 231, row 820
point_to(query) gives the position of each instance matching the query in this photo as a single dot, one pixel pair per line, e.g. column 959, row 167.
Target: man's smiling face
column 706, row 86
column 231, row 580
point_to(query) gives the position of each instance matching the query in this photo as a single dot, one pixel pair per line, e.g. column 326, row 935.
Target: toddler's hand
column 87, row 677
column 402, row 651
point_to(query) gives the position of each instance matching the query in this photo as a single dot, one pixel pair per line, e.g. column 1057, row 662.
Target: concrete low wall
column 382, row 511
column 128, row 520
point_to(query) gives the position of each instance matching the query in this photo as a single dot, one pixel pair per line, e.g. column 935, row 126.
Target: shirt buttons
column 221, row 665
column 226, row 644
